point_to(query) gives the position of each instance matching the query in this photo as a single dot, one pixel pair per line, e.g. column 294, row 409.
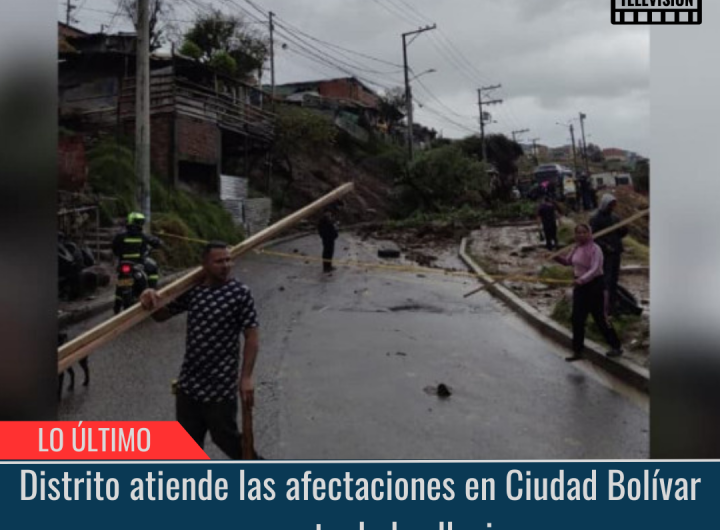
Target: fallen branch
column 85, row 344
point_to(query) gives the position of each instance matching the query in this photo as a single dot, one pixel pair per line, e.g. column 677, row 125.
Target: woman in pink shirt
column 586, row 259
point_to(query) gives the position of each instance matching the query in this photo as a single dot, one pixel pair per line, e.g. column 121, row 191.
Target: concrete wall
column 257, row 215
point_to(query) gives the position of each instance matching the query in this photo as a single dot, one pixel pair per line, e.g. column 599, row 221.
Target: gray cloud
column 553, row 58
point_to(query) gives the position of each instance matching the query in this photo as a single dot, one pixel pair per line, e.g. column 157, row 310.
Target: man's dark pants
column 219, row 418
column 550, row 231
column 328, row 252
column 611, row 271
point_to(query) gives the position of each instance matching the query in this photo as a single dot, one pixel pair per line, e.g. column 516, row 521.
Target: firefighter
column 134, row 245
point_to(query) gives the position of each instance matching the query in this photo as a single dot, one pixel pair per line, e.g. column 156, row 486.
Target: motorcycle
column 132, row 280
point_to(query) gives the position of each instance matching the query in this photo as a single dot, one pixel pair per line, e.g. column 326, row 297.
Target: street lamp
column 429, row 71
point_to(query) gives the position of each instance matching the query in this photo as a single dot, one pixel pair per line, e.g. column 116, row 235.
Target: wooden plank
column 82, row 346
column 601, row 233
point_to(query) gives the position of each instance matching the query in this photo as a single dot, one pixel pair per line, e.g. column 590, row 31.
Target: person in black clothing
column 327, row 229
column 134, row 245
column 219, row 310
column 611, row 245
column 548, row 220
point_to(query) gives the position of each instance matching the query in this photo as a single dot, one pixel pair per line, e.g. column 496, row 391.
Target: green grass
column 636, row 252
column 625, row 325
column 486, row 264
column 112, row 173
column 555, row 272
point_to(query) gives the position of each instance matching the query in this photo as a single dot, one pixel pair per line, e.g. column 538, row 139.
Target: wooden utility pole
column 408, row 91
column 142, row 110
column 481, row 103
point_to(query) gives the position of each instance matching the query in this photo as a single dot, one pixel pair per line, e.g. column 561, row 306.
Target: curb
column 636, row 376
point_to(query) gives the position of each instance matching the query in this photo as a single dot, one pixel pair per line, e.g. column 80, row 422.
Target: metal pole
column 408, row 91
column 142, row 110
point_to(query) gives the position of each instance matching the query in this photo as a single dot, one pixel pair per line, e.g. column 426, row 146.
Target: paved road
column 348, row 364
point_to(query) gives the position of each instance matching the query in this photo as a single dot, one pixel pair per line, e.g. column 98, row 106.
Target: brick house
column 203, row 124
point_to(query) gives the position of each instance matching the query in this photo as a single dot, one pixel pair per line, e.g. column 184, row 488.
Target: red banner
column 97, row 440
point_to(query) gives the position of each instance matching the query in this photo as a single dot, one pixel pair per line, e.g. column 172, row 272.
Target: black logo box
column 654, row 15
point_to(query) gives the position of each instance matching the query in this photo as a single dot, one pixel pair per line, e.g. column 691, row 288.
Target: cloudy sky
column 553, row 58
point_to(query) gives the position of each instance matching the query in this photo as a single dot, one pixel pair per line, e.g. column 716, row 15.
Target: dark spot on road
column 281, row 288
column 416, row 308
column 401, row 354
column 441, row 391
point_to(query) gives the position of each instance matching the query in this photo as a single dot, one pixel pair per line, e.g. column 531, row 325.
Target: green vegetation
column 555, row 272
column 624, row 324
column 467, row 216
column 112, row 173
column 636, row 252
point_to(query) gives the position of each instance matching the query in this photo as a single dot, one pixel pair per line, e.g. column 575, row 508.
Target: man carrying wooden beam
column 219, row 309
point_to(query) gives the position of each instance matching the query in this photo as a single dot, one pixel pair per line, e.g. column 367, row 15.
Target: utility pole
column 408, row 91
column 142, row 110
column 572, row 136
column 68, row 12
column 515, row 133
column 535, row 151
column 482, row 115
column 583, row 117
column 272, row 58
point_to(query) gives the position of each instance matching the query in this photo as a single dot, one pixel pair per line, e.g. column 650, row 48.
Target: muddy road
column 350, row 365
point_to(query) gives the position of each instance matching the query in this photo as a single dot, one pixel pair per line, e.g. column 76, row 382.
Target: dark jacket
column 327, row 230
column 611, row 244
column 133, row 245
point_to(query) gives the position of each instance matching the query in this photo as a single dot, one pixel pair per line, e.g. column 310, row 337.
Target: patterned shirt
column 216, row 317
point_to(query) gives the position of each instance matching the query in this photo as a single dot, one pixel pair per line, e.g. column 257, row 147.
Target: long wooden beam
column 628, row 221
column 85, row 344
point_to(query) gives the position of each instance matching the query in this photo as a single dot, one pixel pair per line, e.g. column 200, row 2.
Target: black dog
column 62, row 339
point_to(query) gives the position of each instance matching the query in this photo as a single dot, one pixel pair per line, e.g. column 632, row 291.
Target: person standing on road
column 586, row 259
column 219, row 310
column 611, row 245
column 327, row 229
column 548, row 221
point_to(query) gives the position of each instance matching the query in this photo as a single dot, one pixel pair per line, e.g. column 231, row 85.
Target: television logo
column 656, row 11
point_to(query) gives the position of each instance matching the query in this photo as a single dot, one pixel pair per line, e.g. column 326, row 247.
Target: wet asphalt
column 350, row 364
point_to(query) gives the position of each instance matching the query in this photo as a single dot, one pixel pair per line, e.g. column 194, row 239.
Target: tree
column 392, row 106
column 215, row 33
column 503, row 153
column 446, row 177
column 161, row 11
column 298, row 131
